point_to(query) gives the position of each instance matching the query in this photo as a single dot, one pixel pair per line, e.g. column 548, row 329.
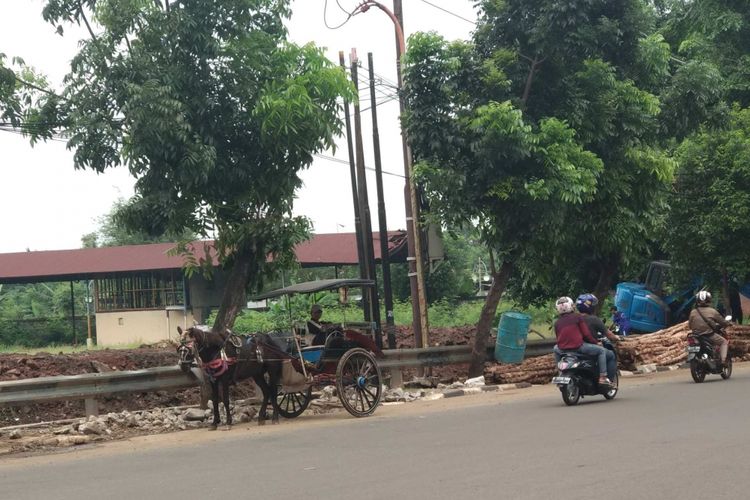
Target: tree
column 715, row 33
column 212, row 111
column 484, row 163
column 20, row 87
column 112, row 231
column 452, row 278
column 538, row 134
column 707, row 232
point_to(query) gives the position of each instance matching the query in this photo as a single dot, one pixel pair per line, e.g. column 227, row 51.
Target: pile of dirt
column 439, row 336
column 44, row 364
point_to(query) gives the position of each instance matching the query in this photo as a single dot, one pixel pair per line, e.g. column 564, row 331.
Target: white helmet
column 564, row 305
column 703, row 297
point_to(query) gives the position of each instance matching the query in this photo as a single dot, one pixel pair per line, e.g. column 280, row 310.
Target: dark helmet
column 703, row 298
column 586, row 303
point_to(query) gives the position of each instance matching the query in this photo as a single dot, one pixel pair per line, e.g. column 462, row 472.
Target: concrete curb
column 453, row 393
column 644, row 369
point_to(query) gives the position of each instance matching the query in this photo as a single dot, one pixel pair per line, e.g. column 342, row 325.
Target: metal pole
column 364, row 210
column 73, row 314
column 355, row 197
column 89, row 306
column 382, row 223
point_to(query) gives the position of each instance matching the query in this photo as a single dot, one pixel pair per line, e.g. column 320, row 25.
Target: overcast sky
column 46, row 204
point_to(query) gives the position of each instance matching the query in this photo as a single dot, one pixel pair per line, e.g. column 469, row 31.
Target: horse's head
column 186, row 349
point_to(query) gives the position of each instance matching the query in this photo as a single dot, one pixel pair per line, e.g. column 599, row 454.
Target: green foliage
column 708, row 230
column 212, row 111
column 37, row 315
column 442, row 313
column 112, row 231
column 20, row 88
column 715, row 32
column 549, row 142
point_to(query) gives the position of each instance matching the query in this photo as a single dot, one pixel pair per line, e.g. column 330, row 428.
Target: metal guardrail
column 91, row 386
column 450, row 355
column 94, row 385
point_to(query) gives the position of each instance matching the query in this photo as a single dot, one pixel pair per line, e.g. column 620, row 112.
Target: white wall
column 143, row 327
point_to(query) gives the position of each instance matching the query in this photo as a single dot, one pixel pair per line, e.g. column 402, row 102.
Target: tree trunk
column 499, row 281
column 725, row 292
column 604, row 283
column 234, row 298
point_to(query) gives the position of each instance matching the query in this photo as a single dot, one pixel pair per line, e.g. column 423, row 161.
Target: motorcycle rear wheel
column 571, row 393
column 697, row 372
column 726, row 372
column 610, row 394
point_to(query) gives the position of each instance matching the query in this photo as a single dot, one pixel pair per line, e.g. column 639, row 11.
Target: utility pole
column 357, row 226
column 364, row 208
column 416, row 271
column 382, row 223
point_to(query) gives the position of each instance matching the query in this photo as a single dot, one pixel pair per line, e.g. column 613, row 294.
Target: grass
column 440, row 314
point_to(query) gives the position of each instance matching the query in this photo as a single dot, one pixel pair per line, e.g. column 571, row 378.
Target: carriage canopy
column 316, row 286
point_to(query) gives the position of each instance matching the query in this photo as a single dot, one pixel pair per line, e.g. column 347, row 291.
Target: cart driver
column 319, row 329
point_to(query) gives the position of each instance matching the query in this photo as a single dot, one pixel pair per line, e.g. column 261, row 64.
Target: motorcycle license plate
column 561, row 380
column 694, row 348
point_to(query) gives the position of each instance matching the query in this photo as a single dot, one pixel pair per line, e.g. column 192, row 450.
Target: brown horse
column 228, row 359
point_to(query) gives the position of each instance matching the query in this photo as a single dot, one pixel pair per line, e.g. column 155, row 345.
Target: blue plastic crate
column 312, row 354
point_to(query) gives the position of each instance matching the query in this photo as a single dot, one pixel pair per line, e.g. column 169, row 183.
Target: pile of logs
column 538, row 370
column 667, row 347
column 662, row 348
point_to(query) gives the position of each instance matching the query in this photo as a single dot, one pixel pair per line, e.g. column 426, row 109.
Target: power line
column 449, row 12
column 345, row 162
column 382, row 101
column 325, row 20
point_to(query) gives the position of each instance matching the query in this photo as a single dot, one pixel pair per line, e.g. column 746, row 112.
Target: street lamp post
column 411, row 208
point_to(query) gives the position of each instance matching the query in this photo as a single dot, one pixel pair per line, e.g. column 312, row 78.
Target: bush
column 443, row 313
column 41, row 332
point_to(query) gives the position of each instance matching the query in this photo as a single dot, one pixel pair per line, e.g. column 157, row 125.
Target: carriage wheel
column 292, row 404
column 358, row 382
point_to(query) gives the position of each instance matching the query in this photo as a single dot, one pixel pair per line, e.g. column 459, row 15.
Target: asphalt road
column 663, row 437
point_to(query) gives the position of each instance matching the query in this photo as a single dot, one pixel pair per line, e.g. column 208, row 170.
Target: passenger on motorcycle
column 585, row 304
column 705, row 320
column 573, row 334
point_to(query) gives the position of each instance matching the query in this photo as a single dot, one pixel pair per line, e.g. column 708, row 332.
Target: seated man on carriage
column 317, row 328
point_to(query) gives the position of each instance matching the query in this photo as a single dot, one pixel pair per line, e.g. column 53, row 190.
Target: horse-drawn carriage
column 284, row 369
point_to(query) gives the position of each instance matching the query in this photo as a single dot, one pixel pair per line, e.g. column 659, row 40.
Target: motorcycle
column 579, row 377
column 704, row 358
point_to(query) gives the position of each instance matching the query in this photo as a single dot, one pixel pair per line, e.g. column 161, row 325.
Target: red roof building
column 338, row 249
column 140, row 292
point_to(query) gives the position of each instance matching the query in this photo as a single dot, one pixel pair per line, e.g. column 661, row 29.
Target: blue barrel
column 511, row 337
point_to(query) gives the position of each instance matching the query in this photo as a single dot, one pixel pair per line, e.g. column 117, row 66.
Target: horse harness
column 219, row 365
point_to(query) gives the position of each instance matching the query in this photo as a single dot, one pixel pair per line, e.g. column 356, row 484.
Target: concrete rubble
column 159, row 420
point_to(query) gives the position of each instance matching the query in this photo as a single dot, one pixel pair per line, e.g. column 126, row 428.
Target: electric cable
column 449, row 12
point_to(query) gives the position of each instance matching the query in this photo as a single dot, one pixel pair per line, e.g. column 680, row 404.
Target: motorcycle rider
column 705, row 320
column 573, row 334
column 585, row 303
